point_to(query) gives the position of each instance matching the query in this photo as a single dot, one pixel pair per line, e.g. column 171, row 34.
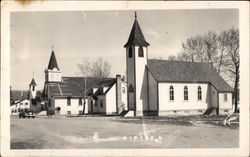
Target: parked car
column 26, row 113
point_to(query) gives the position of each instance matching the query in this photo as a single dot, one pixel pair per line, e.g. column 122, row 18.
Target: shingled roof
column 136, row 37
column 74, row 86
column 52, row 61
column 105, row 83
column 191, row 72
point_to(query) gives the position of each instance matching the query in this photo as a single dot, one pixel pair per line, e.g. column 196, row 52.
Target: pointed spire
column 136, row 37
column 33, row 82
column 52, row 61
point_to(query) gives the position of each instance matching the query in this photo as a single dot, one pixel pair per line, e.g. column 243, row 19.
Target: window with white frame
column 123, row 90
column 171, row 93
column 225, row 97
column 80, row 102
column 68, row 112
column 101, row 103
column 199, row 93
column 185, row 93
column 68, row 101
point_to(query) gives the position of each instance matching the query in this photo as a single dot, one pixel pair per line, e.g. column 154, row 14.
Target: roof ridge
column 176, row 61
column 87, row 77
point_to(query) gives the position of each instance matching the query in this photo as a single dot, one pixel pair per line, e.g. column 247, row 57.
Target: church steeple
column 32, row 86
column 52, row 61
column 53, row 73
column 136, row 61
column 136, row 37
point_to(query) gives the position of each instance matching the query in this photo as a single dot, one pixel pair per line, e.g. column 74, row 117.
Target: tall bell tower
column 53, row 73
column 32, row 88
column 136, row 61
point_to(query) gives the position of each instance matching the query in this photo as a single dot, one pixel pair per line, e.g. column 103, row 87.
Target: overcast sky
column 92, row 34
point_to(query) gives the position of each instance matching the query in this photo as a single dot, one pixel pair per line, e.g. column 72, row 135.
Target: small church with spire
column 81, row 95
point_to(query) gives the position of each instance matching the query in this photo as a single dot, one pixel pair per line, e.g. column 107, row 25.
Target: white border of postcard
column 9, row 6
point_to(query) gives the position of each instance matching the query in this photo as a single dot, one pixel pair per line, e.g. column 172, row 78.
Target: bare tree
column 98, row 68
column 172, row 58
column 210, row 45
column 232, row 63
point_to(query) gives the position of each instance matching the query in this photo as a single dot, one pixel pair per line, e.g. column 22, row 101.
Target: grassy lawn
column 117, row 132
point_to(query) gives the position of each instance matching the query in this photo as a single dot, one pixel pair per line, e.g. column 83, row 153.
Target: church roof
column 191, row 72
column 105, row 83
column 74, row 86
column 136, row 37
column 33, row 82
column 52, row 61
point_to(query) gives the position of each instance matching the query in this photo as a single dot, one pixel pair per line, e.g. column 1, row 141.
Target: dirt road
column 112, row 132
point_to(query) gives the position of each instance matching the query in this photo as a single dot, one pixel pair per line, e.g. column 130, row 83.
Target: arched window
column 140, row 51
column 130, row 89
column 185, row 93
column 199, row 93
column 130, row 52
column 171, row 93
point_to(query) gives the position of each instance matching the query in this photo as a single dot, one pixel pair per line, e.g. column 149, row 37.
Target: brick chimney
column 118, row 93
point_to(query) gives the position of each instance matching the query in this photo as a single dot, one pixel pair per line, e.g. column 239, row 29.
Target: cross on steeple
column 52, row 47
column 135, row 15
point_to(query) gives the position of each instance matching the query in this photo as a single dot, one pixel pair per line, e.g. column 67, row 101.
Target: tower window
column 33, row 88
column 140, row 52
column 171, row 93
column 185, row 93
column 130, row 89
column 130, row 52
column 199, row 93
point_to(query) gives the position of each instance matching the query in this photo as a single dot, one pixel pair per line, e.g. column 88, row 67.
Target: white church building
column 66, row 95
column 162, row 87
column 153, row 87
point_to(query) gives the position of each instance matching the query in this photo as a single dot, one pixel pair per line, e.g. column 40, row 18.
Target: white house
column 162, row 87
column 67, row 95
column 109, row 98
column 28, row 100
column 19, row 105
